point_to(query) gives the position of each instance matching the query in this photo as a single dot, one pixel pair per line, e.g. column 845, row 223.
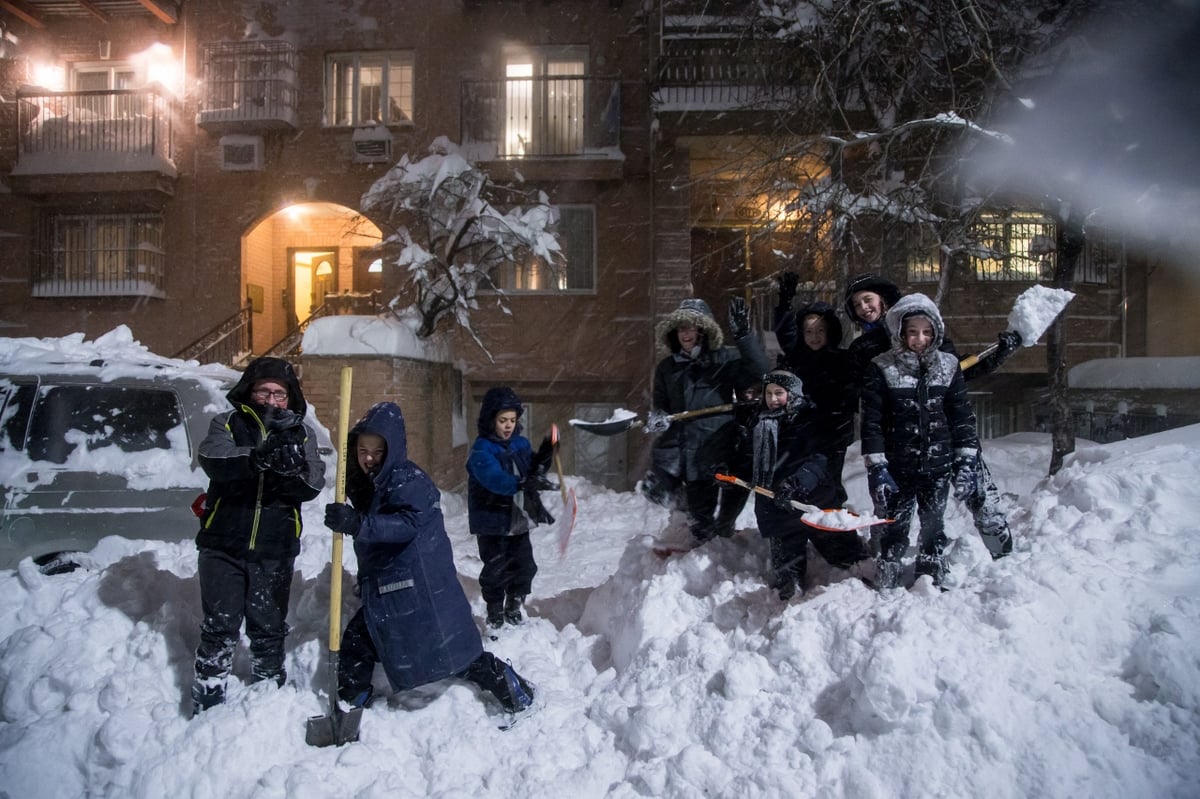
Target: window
column 544, row 102
column 1100, row 260
column 365, row 87
column 248, row 80
column 103, row 78
column 576, row 231
column 132, row 419
column 1013, row 245
column 102, row 255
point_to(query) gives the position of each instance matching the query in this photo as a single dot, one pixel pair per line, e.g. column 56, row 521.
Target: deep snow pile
column 1069, row 669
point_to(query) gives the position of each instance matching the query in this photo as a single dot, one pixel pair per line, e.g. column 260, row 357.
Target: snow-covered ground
column 1069, row 669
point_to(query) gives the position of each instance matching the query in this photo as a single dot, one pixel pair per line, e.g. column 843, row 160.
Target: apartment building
column 194, row 170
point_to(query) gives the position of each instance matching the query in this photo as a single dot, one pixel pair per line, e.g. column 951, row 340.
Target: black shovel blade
column 605, row 428
column 335, row 729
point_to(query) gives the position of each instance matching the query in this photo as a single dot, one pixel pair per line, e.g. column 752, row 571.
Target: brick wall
column 426, row 393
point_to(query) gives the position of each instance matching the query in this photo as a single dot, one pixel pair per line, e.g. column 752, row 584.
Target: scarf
column 766, row 446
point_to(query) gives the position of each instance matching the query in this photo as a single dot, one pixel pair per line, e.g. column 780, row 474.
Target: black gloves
column 966, row 476
column 279, row 455
column 883, row 486
column 788, row 281
column 739, row 318
column 342, row 518
column 536, row 482
column 1008, row 340
column 801, row 485
column 540, row 462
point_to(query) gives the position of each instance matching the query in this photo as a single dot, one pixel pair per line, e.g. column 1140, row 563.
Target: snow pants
column 233, row 590
column 925, row 497
column 984, row 505
column 508, row 566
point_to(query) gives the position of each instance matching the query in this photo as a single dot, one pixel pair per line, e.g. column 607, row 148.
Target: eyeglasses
column 262, row 395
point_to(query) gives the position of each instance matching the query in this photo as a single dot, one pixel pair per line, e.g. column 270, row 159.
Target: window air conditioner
column 241, row 153
column 372, row 144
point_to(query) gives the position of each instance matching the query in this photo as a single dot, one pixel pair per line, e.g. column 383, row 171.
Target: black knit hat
column 886, row 289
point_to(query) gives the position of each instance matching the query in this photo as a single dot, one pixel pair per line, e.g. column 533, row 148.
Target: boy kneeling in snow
column 415, row 618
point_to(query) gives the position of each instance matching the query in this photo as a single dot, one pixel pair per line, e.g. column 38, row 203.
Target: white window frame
column 345, row 75
column 544, row 101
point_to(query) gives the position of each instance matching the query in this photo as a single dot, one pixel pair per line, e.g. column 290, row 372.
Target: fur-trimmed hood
column 913, row 305
column 691, row 311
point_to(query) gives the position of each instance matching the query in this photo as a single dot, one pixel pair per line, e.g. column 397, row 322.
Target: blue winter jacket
column 417, row 614
column 494, row 469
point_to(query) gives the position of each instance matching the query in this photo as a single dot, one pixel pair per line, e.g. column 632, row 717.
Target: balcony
column 717, row 64
column 562, row 126
column 249, row 87
column 94, row 141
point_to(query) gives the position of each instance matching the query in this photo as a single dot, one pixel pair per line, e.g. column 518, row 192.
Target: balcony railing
column 560, row 116
column 711, row 61
column 121, row 130
column 248, row 86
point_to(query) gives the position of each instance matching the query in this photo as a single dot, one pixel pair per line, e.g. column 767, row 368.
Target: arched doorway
column 296, row 257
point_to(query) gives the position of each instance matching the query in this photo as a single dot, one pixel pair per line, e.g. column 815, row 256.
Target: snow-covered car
column 91, row 447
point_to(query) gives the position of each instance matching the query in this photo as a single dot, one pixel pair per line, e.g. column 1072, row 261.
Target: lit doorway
column 311, row 275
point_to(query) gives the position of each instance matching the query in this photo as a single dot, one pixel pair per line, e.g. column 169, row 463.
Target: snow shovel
column 339, row 726
column 570, row 506
column 1032, row 314
column 837, row 520
column 619, row 423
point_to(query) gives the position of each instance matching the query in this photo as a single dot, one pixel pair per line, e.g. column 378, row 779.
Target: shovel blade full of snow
column 1031, row 316
column 624, row 420
column 838, row 520
column 340, row 726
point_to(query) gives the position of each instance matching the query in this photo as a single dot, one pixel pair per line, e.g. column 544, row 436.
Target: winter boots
column 934, row 566
column 498, row 678
column 887, row 574
column 512, row 609
column 495, row 615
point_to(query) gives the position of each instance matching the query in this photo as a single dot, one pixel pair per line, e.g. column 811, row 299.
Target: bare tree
column 444, row 230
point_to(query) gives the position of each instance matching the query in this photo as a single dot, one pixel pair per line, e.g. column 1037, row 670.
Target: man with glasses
column 262, row 463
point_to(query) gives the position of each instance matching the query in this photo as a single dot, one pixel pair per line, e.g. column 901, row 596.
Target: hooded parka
column 249, row 513
column 416, row 612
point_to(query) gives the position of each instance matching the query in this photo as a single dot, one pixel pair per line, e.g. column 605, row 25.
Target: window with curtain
column 370, row 86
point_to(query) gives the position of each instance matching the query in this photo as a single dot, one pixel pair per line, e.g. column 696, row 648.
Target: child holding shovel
column 784, row 444
column 415, row 619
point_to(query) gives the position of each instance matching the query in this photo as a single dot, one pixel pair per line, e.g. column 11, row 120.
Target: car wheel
column 58, row 562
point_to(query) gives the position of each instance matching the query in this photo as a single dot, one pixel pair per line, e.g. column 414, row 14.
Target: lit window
column 365, row 87
column 576, row 231
column 544, row 102
column 1013, row 245
column 102, row 255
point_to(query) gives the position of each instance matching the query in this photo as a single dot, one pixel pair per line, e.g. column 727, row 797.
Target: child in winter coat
column 415, row 618
column 868, row 298
column 262, row 463
column 810, row 339
column 503, row 505
column 918, row 434
column 698, row 372
column 783, row 444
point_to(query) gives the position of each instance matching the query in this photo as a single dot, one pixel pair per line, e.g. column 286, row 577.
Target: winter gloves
column 540, row 462
column 342, row 518
column 802, row 484
column 280, row 455
column 739, row 318
column 883, row 486
column 966, row 475
column 657, row 422
column 1008, row 341
column 282, row 451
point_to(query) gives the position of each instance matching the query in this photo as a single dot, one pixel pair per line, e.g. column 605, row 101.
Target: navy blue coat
column 417, row 614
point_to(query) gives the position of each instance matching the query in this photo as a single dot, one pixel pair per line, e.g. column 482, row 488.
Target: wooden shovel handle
column 339, row 494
